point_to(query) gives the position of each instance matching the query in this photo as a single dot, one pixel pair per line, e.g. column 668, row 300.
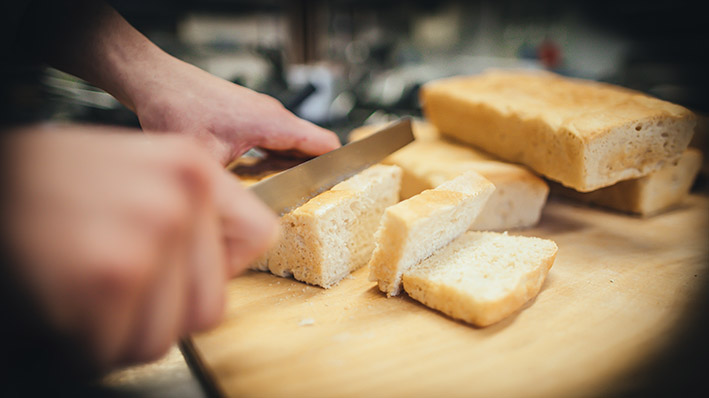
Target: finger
column 300, row 135
column 248, row 226
column 159, row 320
column 150, row 235
column 206, row 268
column 121, row 260
column 160, row 225
column 206, row 272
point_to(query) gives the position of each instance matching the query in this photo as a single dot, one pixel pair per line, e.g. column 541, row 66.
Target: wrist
column 156, row 80
column 96, row 44
column 136, row 73
column 127, row 65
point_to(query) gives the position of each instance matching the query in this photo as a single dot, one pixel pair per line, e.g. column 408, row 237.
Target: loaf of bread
column 583, row 134
column 647, row 195
column 415, row 228
column 481, row 277
column 331, row 235
column 519, row 194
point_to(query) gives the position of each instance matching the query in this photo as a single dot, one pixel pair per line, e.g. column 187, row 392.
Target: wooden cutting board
column 617, row 295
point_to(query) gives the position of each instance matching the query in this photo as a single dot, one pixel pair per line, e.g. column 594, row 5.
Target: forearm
column 92, row 41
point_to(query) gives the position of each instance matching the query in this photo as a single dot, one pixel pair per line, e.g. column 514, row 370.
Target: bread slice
column 519, row 194
column 331, row 235
column 414, row 229
column 647, row 195
column 585, row 135
column 482, row 277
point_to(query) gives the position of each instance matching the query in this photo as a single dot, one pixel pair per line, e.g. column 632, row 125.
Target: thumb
column 249, row 227
column 301, row 136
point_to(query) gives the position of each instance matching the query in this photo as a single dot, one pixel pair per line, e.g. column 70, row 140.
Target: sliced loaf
column 415, row 228
column 647, row 195
column 331, row 235
column 583, row 134
column 481, row 277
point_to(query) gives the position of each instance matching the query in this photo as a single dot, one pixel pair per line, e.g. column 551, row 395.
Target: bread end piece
column 415, row 228
column 482, row 277
column 330, row 236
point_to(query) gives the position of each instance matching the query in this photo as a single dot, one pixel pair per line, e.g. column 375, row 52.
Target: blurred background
column 345, row 63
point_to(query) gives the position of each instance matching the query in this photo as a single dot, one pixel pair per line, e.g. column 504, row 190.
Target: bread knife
column 293, row 187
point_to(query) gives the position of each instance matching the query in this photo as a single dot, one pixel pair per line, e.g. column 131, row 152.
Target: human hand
column 126, row 241
column 168, row 95
column 225, row 118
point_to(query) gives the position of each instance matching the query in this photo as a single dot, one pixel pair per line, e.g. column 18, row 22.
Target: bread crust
column 330, row 236
column 519, row 196
column 415, row 228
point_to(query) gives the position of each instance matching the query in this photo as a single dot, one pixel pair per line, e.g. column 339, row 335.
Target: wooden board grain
column 616, row 296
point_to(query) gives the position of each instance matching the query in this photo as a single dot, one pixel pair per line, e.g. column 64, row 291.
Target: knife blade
column 295, row 186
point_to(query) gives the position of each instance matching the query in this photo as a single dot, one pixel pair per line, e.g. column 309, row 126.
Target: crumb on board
column 306, row 322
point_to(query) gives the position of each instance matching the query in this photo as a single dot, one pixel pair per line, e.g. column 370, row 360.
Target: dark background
column 365, row 60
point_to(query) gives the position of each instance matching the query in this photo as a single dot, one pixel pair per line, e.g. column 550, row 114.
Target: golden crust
column 426, row 204
column 415, row 228
column 583, row 134
column 516, row 203
column 330, row 235
column 562, row 102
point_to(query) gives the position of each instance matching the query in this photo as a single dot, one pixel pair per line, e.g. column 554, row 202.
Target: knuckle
column 171, row 216
column 211, row 314
column 117, row 266
column 193, row 171
column 271, row 101
column 119, row 277
column 153, row 351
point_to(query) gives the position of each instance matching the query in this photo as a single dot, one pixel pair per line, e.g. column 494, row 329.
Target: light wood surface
column 614, row 299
